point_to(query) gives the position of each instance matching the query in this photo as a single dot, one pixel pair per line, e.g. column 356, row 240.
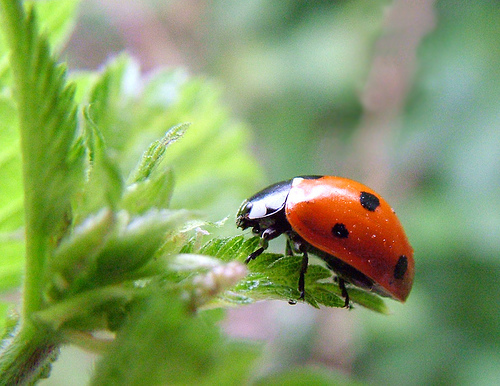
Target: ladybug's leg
column 268, row 234
column 295, row 243
column 345, row 294
column 288, row 248
column 256, row 253
column 302, row 273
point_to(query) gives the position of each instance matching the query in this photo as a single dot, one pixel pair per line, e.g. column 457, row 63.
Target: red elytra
column 372, row 241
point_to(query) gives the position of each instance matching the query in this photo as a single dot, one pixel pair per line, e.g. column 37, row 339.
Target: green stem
column 20, row 41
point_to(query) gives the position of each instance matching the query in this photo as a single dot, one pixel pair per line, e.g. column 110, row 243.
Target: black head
column 264, row 209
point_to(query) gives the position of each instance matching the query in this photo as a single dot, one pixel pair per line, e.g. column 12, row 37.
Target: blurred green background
column 401, row 95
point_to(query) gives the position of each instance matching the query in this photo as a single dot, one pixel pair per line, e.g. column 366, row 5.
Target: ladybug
column 343, row 222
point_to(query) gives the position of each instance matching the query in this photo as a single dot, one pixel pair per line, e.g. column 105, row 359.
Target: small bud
column 217, row 280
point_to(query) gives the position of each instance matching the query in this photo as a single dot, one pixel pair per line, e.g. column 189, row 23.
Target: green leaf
column 56, row 20
column 150, row 184
column 154, row 155
column 164, row 343
column 110, row 248
column 135, row 243
column 85, row 311
column 231, row 248
column 131, row 113
column 274, row 276
column 279, row 275
column 76, row 255
column 104, row 185
column 51, row 157
column 154, row 192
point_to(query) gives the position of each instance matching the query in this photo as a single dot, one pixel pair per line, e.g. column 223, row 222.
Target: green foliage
column 274, row 276
column 174, row 346
column 299, row 68
column 109, row 245
column 120, row 102
column 56, row 21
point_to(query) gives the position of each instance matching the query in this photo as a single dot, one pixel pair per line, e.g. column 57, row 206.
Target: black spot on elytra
column 369, row 201
column 401, row 267
column 339, row 230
